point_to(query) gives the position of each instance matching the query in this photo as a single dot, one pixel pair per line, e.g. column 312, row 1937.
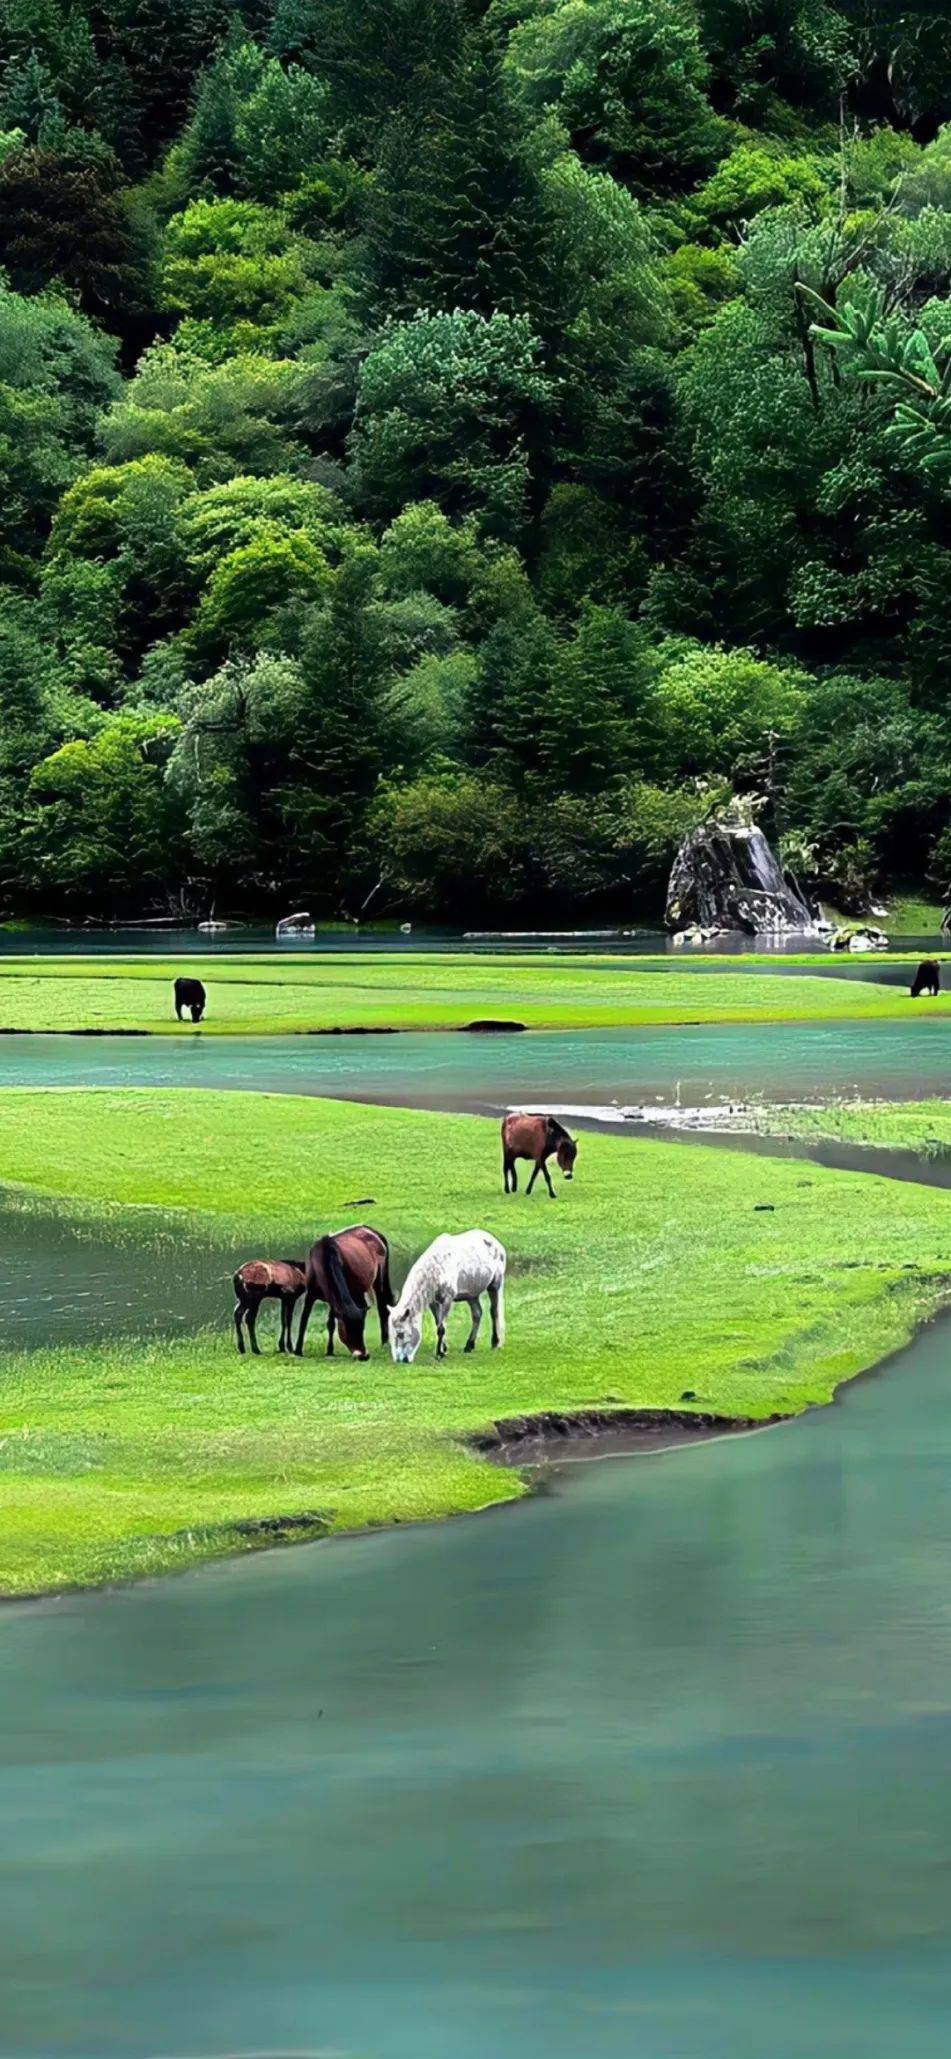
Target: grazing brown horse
column 535, row 1137
column 344, row 1270
column 264, row 1279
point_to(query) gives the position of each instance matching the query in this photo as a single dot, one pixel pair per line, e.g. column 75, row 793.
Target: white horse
column 451, row 1269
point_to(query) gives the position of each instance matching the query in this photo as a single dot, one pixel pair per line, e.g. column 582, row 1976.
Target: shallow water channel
column 448, row 1069
column 658, row 1763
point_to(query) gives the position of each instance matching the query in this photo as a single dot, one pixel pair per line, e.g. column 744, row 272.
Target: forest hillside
column 448, row 447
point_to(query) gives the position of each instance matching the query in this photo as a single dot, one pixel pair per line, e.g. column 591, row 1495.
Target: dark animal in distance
column 189, row 993
column 344, row 1270
column 263, row 1279
column 537, row 1137
column 927, row 979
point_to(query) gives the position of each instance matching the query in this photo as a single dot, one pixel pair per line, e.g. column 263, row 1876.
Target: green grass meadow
column 757, row 1284
column 267, row 995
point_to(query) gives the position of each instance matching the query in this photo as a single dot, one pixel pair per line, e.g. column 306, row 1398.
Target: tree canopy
column 448, row 447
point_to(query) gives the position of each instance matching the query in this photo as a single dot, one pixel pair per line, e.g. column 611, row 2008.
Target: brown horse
column 263, row 1279
column 535, row 1137
column 344, row 1270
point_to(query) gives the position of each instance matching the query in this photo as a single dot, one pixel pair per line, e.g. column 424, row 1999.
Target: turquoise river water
column 781, row 1061
column 658, row 1764
column 654, row 1766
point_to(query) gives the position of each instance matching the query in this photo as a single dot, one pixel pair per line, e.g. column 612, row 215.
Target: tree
column 628, row 80
column 724, row 713
column 454, row 214
column 229, row 261
column 239, row 417
column 450, row 408
column 274, row 571
column 382, row 59
column 103, row 827
column 597, row 723
column 55, row 375
column 257, row 127
column 66, row 215
column 759, row 50
column 449, row 843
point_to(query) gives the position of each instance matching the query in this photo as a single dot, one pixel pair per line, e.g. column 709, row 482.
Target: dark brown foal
column 267, row 1279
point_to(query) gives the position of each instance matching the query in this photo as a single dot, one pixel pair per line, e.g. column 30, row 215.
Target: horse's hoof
column 470, row 1344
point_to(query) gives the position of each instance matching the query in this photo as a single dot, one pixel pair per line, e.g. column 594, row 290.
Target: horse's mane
column 557, row 1130
column 417, row 1287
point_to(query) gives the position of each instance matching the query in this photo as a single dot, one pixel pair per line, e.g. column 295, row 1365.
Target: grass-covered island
column 263, row 994
column 757, row 1285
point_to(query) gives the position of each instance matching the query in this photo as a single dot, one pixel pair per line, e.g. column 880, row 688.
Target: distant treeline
column 423, row 485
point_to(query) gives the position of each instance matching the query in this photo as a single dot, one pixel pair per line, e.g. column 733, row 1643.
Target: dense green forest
column 447, row 447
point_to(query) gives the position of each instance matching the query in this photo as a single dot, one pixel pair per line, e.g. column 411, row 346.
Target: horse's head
column 566, row 1154
column 406, row 1335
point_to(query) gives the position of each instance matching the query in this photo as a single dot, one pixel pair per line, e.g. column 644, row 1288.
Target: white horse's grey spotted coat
column 451, row 1269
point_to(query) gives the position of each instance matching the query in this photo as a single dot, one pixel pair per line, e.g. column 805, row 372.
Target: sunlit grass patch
column 755, row 1284
column 300, row 995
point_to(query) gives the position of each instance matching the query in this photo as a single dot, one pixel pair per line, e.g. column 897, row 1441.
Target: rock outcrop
column 726, row 876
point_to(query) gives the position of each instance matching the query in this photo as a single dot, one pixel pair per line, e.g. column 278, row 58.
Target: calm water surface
column 64, row 1283
column 781, row 1061
column 657, row 1765
column 638, row 943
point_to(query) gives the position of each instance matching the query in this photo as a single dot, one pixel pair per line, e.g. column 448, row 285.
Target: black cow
column 927, row 979
column 189, row 993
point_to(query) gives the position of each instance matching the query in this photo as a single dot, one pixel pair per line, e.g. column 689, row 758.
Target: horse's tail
column 338, row 1291
column 385, row 1281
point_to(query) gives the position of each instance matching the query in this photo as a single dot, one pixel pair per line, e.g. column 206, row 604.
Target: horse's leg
column 509, row 1175
column 309, row 1299
column 239, row 1333
column 497, row 1310
column 548, row 1183
column 383, row 1310
column 284, row 1339
column 251, row 1319
column 441, row 1308
column 331, row 1326
column 475, row 1310
column 537, row 1170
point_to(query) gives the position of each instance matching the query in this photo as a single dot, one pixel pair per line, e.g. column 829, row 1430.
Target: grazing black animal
column 189, row 993
column 927, row 979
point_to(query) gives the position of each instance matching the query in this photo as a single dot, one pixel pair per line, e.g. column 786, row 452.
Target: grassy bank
column 756, row 1284
column 266, row 995
column 921, row 1126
